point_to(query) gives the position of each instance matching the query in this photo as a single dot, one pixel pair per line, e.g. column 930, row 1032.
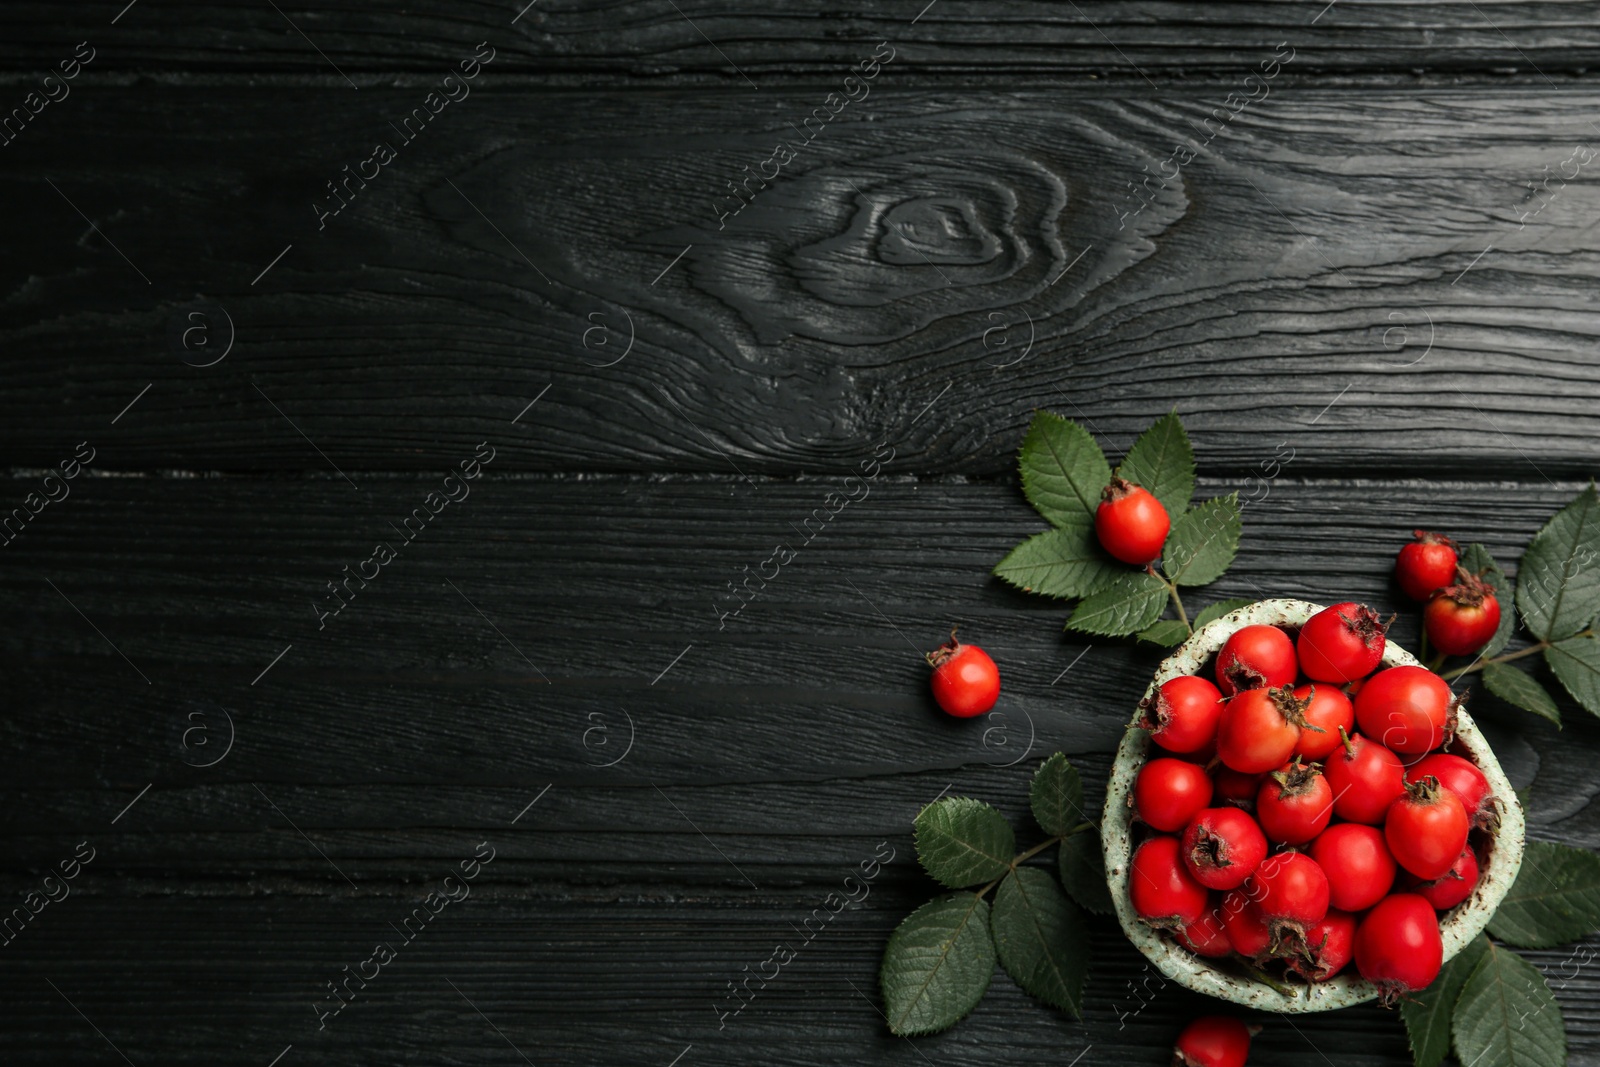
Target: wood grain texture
column 652, row 42
column 1370, row 274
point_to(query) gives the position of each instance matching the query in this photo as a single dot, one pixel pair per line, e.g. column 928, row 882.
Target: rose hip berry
column 1182, row 714
column 965, row 680
column 1292, row 893
column 1426, row 829
column 1462, row 617
column 1259, row 729
column 1256, row 657
column 1358, row 864
column 1205, row 936
column 1237, row 788
column 1428, row 563
column 1340, row 643
column 1130, row 522
column 1398, row 947
column 1245, row 926
column 1169, row 793
column 1328, row 710
column 1164, row 894
column 1461, row 777
column 1213, row 1041
column 1409, row 710
column 1295, row 803
column 1365, row 778
column 1222, row 847
column 1330, row 944
column 1450, row 889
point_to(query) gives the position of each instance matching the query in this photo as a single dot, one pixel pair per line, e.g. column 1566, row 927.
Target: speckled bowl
column 1460, row 925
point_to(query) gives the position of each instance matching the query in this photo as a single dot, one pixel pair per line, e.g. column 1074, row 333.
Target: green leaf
column 1576, row 663
column 1162, row 461
column 1083, row 872
column 1166, row 633
column 1507, row 1015
column 1065, row 562
column 1042, row 938
column 1212, row 612
column 1555, row 899
column 961, row 841
column 1203, row 541
column 1558, row 584
column 937, row 965
column 1126, row 606
column 1427, row 1014
column 1518, row 688
column 1056, row 796
column 1476, row 560
column 1063, row 470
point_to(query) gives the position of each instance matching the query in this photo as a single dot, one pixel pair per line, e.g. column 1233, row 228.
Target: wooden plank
column 651, row 42
column 1386, row 314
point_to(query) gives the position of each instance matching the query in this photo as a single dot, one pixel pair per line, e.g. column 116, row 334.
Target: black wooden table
column 431, row 375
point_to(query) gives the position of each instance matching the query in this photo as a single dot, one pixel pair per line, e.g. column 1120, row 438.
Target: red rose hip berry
column 1222, row 847
column 1213, row 1041
column 965, row 680
column 1408, row 710
column 1292, row 893
column 1463, row 778
column 1294, row 804
column 1182, row 714
column 1426, row 829
column 1428, row 563
column 1164, row 894
column 1259, row 729
column 1461, row 618
column 1237, row 788
column 1454, row 886
column 1328, row 711
column 1256, row 657
column 1365, row 778
column 1206, row 937
column 1330, row 945
column 1169, row 793
column 1245, row 926
column 1340, row 644
column 1358, row 864
column 1130, row 522
column 1398, row 947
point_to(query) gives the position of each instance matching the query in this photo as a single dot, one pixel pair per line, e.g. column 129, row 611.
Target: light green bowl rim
column 1458, row 926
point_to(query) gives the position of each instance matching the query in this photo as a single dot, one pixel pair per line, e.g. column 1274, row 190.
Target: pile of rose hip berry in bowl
column 1302, row 816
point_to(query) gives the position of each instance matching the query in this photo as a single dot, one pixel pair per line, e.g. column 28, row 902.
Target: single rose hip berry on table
column 1169, row 793
column 1426, row 829
column 1182, row 714
column 1259, row 729
column 1340, row 644
column 1292, row 893
column 1365, row 778
column 1461, row 618
column 1256, row 657
column 1164, row 894
column 965, row 680
column 1222, row 847
column 1451, row 888
column 1245, row 926
column 1327, row 712
column 1214, row 1041
column 1408, row 710
column 1463, row 778
column 1398, row 947
column 1295, row 803
column 1428, row 563
column 1358, row 864
column 1130, row 522
column 1330, row 944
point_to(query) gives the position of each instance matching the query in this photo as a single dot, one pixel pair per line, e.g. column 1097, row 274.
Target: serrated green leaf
column 1083, row 872
column 1126, row 606
column 1166, row 633
column 1576, row 664
column 1065, row 562
column 1063, row 470
column 1518, row 688
column 1555, row 899
column 1558, row 584
column 1162, row 461
column 1042, row 938
column 937, row 965
column 1506, row 1015
column 961, row 841
column 1212, row 612
column 1203, row 541
column 1476, row 559
column 1427, row 1014
column 1056, row 795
